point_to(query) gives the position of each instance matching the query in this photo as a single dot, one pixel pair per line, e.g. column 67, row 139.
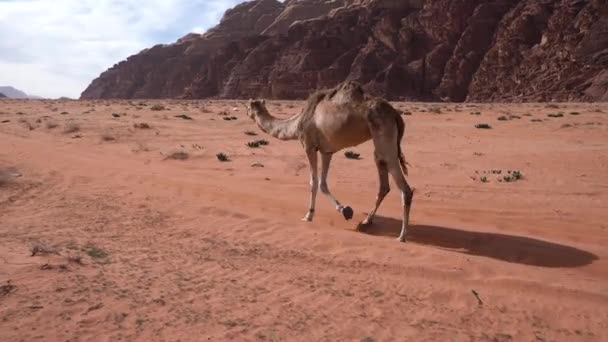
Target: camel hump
column 347, row 91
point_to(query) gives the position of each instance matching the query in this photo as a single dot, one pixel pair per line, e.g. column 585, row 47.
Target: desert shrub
column 184, row 116
column 71, row 128
column 222, row 157
column 38, row 248
column 351, row 155
column 178, row 155
column 512, row 176
column 141, row 125
column 95, row 252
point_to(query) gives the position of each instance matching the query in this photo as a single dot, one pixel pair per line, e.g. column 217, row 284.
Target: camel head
column 256, row 107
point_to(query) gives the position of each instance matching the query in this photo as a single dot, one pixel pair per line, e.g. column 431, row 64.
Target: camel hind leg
column 407, row 194
column 383, row 190
column 386, row 137
column 314, row 184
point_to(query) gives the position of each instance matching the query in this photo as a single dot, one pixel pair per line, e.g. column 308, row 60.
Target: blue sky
column 54, row 48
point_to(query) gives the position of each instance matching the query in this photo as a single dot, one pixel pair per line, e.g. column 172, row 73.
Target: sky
column 55, row 48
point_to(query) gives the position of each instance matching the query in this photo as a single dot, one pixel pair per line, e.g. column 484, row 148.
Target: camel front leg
column 325, row 162
column 314, row 183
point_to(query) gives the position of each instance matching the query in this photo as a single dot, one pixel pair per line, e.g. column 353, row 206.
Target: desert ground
column 119, row 223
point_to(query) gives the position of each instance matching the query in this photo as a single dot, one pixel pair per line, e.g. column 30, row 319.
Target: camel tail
column 400, row 133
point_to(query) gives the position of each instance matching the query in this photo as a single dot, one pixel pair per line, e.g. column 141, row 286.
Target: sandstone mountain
column 457, row 50
column 2, row 96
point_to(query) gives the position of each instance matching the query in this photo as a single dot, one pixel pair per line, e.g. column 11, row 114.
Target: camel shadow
column 509, row 248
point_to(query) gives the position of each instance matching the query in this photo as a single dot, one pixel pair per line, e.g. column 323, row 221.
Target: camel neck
column 284, row 129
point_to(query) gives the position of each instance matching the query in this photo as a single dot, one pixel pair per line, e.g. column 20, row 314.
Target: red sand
column 202, row 250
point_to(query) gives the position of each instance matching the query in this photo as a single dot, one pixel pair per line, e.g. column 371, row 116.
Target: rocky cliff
column 457, row 50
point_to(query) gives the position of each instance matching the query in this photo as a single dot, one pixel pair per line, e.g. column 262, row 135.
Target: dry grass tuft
column 142, row 125
column 178, row 155
column 184, row 116
column 76, row 259
column 435, row 110
column 38, row 248
column 157, row 107
column 95, row 252
column 7, row 288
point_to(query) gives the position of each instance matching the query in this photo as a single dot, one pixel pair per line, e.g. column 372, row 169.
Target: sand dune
column 133, row 244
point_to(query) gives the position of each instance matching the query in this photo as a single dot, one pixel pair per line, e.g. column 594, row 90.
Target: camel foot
column 347, row 212
column 401, row 239
column 307, row 219
column 363, row 225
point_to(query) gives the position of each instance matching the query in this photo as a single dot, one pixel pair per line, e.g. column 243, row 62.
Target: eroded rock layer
column 457, row 50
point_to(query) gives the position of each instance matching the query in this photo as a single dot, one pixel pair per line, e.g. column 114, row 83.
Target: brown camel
column 337, row 118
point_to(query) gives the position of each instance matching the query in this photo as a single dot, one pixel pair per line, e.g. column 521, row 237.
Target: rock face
column 458, row 50
column 301, row 10
column 2, row 96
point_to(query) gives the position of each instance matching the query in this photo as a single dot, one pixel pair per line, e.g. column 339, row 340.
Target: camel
column 337, row 118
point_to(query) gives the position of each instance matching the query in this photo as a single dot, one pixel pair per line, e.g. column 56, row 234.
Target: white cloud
column 55, row 48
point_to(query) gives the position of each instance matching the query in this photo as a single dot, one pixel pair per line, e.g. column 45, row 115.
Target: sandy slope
column 196, row 249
